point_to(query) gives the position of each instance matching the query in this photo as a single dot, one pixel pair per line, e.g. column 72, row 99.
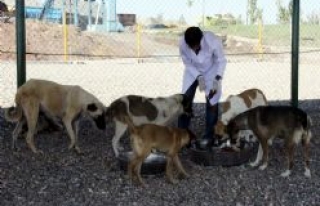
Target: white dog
column 236, row 104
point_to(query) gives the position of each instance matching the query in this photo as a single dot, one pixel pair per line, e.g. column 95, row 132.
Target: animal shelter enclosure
column 118, row 47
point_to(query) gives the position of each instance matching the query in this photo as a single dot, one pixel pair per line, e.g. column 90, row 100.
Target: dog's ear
column 232, row 131
column 100, row 121
column 92, row 107
column 220, row 130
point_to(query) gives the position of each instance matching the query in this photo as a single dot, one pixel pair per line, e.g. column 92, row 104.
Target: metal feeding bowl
column 215, row 156
column 155, row 163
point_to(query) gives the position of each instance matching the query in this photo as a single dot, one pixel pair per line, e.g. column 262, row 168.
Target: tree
column 313, row 18
column 252, row 11
column 259, row 14
column 239, row 19
column 284, row 14
column 182, row 20
column 190, row 3
column 290, row 8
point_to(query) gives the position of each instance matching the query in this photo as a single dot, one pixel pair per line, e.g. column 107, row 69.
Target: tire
column 154, row 164
column 221, row 157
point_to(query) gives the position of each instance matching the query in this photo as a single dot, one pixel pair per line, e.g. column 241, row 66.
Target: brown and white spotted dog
column 144, row 110
column 236, row 104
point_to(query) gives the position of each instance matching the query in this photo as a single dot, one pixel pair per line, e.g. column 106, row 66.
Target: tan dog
column 236, row 104
column 165, row 139
column 145, row 110
column 267, row 122
column 58, row 102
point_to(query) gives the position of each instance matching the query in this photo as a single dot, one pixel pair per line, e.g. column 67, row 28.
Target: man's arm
column 187, row 60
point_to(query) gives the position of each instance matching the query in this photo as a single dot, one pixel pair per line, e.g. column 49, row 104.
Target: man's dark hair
column 193, row 36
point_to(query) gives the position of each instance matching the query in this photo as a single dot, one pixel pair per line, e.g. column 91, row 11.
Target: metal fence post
column 295, row 53
column 21, row 42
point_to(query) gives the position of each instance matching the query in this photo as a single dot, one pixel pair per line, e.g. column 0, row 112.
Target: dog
column 143, row 110
column 234, row 105
column 267, row 122
column 66, row 103
column 166, row 139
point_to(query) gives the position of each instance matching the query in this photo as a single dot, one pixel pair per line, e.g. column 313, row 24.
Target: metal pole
column 75, row 14
column 295, row 53
column 21, row 42
column 65, row 31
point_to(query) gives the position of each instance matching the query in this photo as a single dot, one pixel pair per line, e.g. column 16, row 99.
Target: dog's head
column 13, row 114
column 186, row 137
column 97, row 112
column 232, row 130
column 220, row 130
column 192, row 138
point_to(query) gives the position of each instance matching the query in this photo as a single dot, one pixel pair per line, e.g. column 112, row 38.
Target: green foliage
column 284, row 14
column 253, row 11
column 190, row 3
column 277, row 35
column 221, row 20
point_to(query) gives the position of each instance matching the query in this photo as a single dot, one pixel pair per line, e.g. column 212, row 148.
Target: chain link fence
column 113, row 48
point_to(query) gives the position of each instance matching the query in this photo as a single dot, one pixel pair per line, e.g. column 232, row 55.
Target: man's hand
column 216, row 86
column 201, row 82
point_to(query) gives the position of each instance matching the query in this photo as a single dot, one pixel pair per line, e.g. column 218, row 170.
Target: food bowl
column 227, row 157
column 155, row 163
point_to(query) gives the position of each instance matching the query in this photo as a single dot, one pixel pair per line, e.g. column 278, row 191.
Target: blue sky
column 173, row 9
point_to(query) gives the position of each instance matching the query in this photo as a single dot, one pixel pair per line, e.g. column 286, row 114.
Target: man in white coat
column 204, row 60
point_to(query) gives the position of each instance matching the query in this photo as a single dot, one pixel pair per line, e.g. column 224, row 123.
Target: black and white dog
column 142, row 110
column 267, row 122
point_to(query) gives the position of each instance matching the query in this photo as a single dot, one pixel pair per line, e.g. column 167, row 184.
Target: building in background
column 127, row 19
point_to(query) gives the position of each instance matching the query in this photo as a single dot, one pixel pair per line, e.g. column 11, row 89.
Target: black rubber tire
column 219, row 157
column 149, row 167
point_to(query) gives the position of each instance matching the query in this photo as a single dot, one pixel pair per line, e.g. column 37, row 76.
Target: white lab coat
column 209, row 62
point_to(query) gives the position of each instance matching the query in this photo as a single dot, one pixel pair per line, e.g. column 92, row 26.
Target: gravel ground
column 61, row 177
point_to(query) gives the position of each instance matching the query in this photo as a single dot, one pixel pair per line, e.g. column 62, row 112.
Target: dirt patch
column 46, row 41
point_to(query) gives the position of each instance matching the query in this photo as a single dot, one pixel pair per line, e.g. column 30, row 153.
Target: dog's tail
column 309, row 125
column 306, row 136
column 13, row 114
column 263, row 98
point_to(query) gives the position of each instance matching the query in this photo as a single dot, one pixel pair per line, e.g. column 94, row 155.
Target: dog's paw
column 183, row 175
column 253, row 164
column 286, row 173
column 307, row 173
column 71, row 146
column 172, row 181
column 263, row 167
column 116, row 154
column 141, row 183
column 38, row 151
column 78, row 150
